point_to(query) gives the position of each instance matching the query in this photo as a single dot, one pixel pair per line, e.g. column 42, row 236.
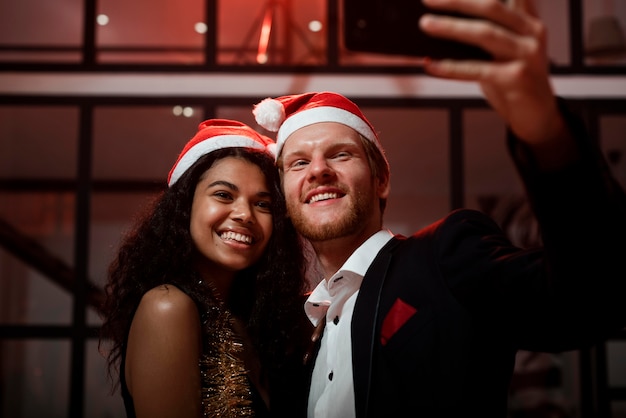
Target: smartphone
column 391, row 27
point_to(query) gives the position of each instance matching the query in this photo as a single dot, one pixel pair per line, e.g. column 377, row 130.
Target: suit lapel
column 363, row 326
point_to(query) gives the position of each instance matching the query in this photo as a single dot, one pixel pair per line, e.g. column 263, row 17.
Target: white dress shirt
column 332, row 388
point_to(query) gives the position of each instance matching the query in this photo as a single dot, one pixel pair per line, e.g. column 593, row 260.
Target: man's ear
column 384, row 186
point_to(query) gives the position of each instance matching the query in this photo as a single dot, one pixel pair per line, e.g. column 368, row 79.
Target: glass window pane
column 100, row 401
column 158, row 31
column 35, row 377
column 38, row 142
column 242, row 114
column 489, row 170
column 112, row 215
column 28, row 297
column 554, row 14
column 416, row 145
column 491, row 181
column 605, row 32
column 273, row 32
column 41, row 30
column 140, row 143
column 36, row 268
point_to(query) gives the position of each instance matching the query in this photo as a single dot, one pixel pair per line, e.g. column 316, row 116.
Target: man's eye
column 298, row 164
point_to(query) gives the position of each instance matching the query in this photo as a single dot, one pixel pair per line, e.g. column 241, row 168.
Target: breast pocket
column 410, row 360
column 398, row 335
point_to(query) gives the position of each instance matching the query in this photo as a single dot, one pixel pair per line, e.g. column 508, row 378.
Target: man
column 429, row 325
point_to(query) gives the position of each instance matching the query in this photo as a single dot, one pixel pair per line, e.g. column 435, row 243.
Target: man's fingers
column 525, row 6
column 492, row 38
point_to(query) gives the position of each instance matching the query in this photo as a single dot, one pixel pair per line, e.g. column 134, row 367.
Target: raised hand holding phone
column 516, row 81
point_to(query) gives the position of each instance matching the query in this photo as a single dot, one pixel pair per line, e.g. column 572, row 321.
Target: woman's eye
column 222, row 195
column 265, row 204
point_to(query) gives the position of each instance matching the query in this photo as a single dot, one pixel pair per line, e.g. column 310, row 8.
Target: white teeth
column 236, row 237
column 323, row 196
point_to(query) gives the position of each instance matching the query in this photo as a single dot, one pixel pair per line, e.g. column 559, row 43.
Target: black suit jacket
column 441, row 314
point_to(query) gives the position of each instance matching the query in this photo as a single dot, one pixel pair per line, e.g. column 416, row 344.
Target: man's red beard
column 350, row 223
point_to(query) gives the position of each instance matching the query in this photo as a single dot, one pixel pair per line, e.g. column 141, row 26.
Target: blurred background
column 98, row 97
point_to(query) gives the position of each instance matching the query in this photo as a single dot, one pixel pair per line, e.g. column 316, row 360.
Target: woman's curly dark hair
column 159, row 250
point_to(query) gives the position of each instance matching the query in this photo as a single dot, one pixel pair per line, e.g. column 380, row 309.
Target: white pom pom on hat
column 287, row 114
column 270, row 114
column 214, row 134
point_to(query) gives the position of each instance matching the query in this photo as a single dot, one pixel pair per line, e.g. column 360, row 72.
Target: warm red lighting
column 264, row 39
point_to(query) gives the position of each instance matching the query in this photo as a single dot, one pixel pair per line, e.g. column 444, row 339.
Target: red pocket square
column 397, row 316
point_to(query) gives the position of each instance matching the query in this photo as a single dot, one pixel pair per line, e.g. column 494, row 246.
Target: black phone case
column 391, row 27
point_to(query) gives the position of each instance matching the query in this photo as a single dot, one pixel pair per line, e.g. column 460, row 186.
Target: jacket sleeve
column 568, row 294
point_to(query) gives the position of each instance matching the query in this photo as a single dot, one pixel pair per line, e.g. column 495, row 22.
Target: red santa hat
column 287, row 114
column 214, row 134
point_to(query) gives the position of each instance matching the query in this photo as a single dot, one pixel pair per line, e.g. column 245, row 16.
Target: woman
column 205, row 296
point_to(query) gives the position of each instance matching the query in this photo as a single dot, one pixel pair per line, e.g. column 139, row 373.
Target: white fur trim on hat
column 322, row 114
column 207, row 146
